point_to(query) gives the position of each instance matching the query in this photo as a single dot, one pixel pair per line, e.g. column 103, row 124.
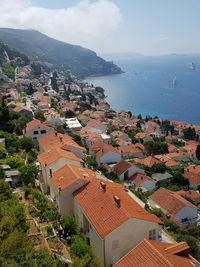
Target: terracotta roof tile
column 149, row 253
column 54, row 154
column 139, row 178
column 70, row 174
column 170, row 201
column 191, row 193
column 34, row 123
column 121, row 167
column 102, row 148
column 59, row 140
column 192, row 177
column 103, row 213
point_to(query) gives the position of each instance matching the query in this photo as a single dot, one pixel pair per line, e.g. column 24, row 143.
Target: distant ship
column 174, row 81
column 191, row 66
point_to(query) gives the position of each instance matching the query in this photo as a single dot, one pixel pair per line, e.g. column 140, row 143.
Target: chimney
column 59, row 188
column 103, row 186
column 141, row 177
column 56, row 134
column 50, row 171
column 61, row 138
column 117, row 200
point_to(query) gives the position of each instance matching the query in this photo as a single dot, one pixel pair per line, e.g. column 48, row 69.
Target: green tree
column 2, row 172
column 198, row 152
column 26, row 143
column 30, row 89
column 39, row 115
column 154, row 147
column 69, row 114
column 91, row 162
column 79, row 247
column 5, row 191
column 14, row 162
column 3, row 152
column 8, row 70
column 28, row 173
column 69, row 225
column 86, row 261
column 189, row 133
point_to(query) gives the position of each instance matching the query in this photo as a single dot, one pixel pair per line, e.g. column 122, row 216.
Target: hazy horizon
column 107, row 26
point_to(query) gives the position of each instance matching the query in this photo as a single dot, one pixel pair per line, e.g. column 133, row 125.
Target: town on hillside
column 84, row 185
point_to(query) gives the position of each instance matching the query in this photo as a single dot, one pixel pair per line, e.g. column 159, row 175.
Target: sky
column 110, row 26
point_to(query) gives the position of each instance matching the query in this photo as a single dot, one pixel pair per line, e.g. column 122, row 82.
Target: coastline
column 134, row 90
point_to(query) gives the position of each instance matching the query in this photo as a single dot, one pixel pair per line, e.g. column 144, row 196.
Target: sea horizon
column 147, row 87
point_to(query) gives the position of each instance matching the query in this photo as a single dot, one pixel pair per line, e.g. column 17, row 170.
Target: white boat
column 174, row 81
column 191, row 66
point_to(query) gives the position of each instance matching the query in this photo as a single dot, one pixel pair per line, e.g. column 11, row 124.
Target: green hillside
column 61, row 55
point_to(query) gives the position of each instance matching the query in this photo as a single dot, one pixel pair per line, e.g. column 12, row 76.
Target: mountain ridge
column 37, row 46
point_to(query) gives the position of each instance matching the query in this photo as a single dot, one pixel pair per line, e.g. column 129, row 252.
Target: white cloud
column 80, row 24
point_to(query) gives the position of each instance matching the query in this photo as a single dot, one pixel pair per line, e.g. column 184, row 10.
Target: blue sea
column 147, row 87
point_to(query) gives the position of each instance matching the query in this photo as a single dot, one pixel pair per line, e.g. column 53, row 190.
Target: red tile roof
column 170, row 201
column 102, row 148
column 103, row 213
column 149, row 253
column 59, row 140
column 70, row 174
column 121, row 167
column 191, row 193
column 192, row 177
column 149, row 161
column 50, row 156
column 139, row 178
column 34, row 123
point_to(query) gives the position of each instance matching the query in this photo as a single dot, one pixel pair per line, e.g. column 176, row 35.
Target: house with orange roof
column 64, row 182
column 193, row 168
column 130, row 151
column 177, row 156
column 194, row 179
column 191, row 194
column 149, row 161
column 142, row 181
column 23, row 110
column 172, row 148
column 150, row 253
column 143, row 137
column 53, row 118
column 52, row 160
column 62, row 103
column 125, row 169
column 123, row 141
column 112, row 221
column 104, row 153
column 36, row 129
column 58, row 140
column 174, row 206
column 166, row 160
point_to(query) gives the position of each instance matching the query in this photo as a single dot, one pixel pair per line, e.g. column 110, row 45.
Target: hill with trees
column 63, row 56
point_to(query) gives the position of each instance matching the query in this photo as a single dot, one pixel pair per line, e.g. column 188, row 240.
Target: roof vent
column 117, row 200
column 105, row 219
column 85, row 175
column 103, row 186
column 60, row 178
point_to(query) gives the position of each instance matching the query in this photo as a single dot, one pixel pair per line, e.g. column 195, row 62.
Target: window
column 35, row 132
column 43, row 131
column 152, row 234
column 115, row 244
column 34, row 138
